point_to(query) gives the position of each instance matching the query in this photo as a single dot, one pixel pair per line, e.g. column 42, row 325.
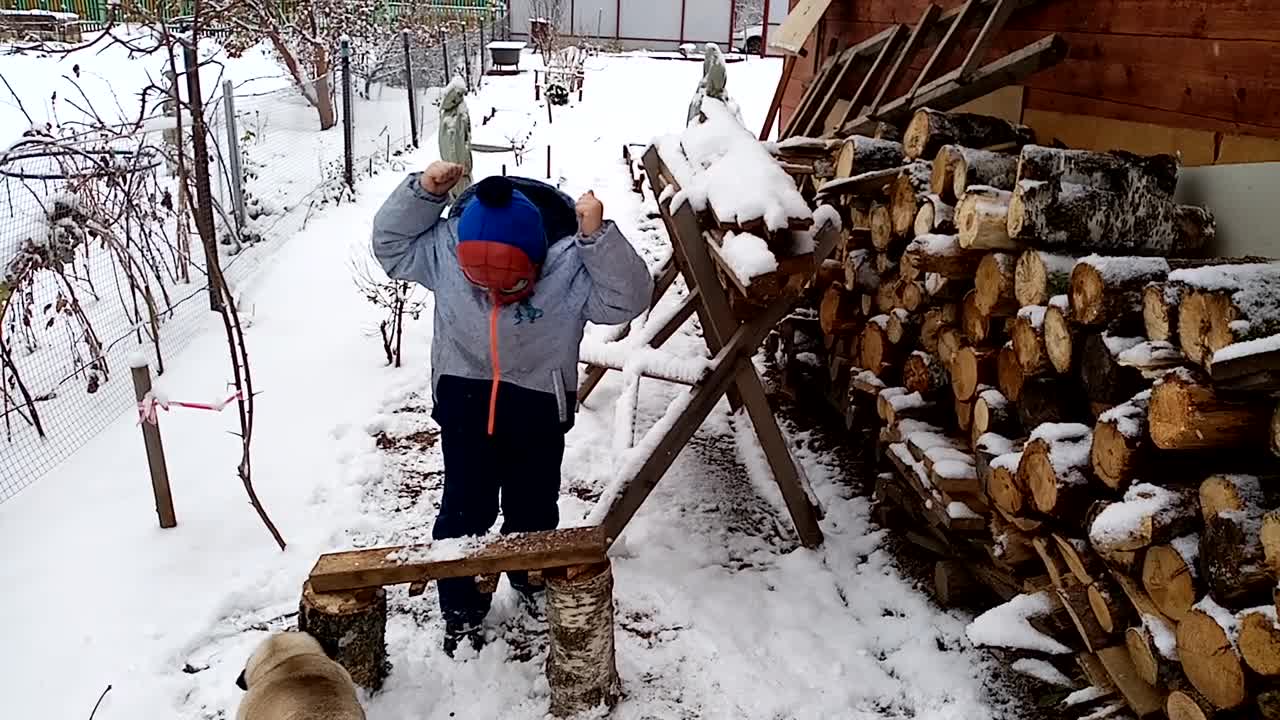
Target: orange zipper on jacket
column 493, row 355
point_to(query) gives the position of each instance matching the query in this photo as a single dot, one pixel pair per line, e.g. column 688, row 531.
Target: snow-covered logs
column 929, row 130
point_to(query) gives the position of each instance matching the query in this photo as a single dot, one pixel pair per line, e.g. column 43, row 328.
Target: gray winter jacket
column 598, row 279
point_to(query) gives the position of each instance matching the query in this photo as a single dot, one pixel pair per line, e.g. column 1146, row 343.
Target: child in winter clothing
column 517, row 270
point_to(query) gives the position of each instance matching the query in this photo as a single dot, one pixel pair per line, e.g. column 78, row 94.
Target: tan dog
column 289, row 677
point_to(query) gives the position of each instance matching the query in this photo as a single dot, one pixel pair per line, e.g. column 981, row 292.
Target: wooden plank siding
column 1210, row 65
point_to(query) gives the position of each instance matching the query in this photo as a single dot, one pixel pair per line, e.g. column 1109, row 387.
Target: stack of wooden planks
column 1077, row 403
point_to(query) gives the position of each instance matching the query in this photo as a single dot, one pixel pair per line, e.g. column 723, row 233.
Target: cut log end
column 1170, row 581
column 1211, row 661
column 1059, row 339
column 351, row 626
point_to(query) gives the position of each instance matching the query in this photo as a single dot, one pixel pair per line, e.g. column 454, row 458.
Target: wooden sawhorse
column 732, row 343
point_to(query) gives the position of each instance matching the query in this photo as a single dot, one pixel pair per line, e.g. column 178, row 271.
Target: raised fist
column 440, row 177
column 590, row 214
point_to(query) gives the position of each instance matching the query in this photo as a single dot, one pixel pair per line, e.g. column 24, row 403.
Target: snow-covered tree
column 305, row 36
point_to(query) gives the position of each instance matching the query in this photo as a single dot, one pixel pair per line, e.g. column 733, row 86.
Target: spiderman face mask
column 504, row 271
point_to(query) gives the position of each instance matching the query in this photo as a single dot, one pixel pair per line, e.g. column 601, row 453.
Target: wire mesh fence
column 100, row 258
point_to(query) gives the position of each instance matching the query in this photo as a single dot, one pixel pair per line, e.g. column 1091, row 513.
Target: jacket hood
column 559, row 212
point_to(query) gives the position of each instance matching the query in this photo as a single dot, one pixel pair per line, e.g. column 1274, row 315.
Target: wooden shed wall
column 1204, row 71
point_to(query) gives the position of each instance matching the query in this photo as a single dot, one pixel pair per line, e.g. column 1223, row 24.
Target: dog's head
column 276, row 649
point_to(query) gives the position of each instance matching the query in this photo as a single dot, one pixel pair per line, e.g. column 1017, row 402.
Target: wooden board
column 527, row 551
column 1144, row 700
column 800, row 22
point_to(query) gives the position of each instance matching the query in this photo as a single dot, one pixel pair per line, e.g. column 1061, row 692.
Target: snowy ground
column 719, row 614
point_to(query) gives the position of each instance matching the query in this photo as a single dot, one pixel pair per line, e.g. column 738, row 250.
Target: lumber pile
column 1076, row 414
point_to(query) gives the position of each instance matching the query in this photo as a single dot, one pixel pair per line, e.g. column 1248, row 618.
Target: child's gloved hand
column 590, row 214
column 440, row 177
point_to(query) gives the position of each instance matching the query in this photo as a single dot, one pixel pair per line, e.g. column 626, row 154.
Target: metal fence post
column 155, row 450
column 483, row 50
column 466, row 58
column 233, row 151
column 413, row 95
column 444, row 48
column 348, row 122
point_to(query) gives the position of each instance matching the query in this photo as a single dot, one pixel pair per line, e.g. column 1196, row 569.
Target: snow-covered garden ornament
column 455, row 133
column 715, row 76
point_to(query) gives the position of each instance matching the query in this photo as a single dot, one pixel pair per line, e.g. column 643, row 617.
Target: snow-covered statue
column 455, row 133
column 714, row 78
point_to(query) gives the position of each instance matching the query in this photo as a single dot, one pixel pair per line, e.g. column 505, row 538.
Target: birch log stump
column 352, row 627
column 581, row 669
column 860, row 154
column 982, row 167
column 929, row 130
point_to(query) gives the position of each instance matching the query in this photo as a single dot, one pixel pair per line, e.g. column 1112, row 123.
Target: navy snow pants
column 516, row 469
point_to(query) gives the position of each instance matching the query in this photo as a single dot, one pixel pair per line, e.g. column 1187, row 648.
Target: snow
column 882, row 320
column 868, row 378
column 955, row 470
column 1150, row 354
column 948, row 454
column 1125, row 520
column 721, row 166
column 1007, row 626
column 1129, row 418
column 1008, row 461
column 719, row 613
column 644, row 361
column 957, row 510
column 1084, row 695
column 1227, row 620
column 1041, row 670
column 42, row 13
column 1162, row 634
column 1254, row 288
column 935, row 245
column 1188, row 546
column 748, row 256
column 1033, row 314
column 1060, row 432
column 994, row 444
column 1120, row 270
column 1062, row 302
column 826, row 215
column 1069, row 446
column 927, row 440
column 904, row 401
column 1117, row 345
column 1236, row 351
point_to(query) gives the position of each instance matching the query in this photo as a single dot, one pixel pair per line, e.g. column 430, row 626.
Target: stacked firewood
column 1078, row 406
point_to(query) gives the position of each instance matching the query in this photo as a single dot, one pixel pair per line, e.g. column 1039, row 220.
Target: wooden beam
column 947, row 92
column 464, row 557
column 892, row 36
column 995, row 23
column 705, row 397
column 926, row 22
column 810, row 96
column 962, row 17
column 866, row 48
column 788, row 65
column 832, row 88
column 595, row 374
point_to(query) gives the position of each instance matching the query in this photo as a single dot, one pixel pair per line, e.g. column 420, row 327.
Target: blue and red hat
column 501, row 240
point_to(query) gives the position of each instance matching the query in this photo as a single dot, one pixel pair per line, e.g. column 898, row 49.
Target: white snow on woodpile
column 720, row 166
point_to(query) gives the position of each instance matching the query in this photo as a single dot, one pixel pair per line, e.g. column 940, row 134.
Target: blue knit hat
column 500, row 213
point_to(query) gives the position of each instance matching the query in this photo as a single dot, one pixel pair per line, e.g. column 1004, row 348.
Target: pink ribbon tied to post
column 150, row 404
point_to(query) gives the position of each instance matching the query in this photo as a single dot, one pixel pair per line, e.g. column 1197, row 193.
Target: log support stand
column 581, row 671
column 351, row 626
